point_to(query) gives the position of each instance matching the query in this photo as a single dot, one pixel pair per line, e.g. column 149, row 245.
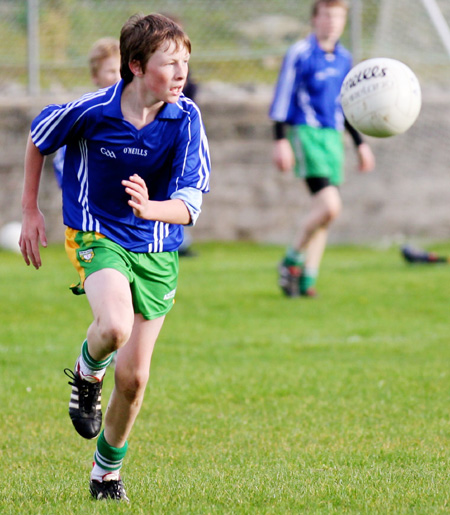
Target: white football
column 9, row 236
column 381, row 97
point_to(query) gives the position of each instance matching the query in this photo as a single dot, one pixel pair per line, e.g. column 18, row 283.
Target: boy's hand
column 139, row 201
column 171, row 211
column 33, row 232
column 366, row 158
column 283, row 155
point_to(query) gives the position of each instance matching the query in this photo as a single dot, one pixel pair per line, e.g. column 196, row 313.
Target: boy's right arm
column 283, row 155
column 33, row 226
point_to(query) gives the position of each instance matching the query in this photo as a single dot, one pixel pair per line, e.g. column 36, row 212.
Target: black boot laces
column 87, row 392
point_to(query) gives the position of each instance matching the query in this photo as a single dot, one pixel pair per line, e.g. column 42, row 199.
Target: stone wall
column 407, row 197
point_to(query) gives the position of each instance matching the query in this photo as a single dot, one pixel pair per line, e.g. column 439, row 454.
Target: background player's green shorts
column 152, row 276
column 319, row 152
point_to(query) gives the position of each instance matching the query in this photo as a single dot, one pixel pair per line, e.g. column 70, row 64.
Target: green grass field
column 256, row 403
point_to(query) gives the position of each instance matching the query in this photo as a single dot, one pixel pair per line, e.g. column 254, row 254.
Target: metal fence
column 44, row 43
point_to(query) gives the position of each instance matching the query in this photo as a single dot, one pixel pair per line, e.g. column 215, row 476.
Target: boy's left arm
column 173, row 211
column 366, row 157
column 191, row 166
column 189, row 180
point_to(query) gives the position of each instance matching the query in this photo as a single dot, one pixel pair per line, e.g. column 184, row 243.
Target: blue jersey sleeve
column 286, row 86
column 193, row 201
column 51, row 129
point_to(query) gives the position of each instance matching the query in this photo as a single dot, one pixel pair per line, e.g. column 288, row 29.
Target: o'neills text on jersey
column 135, row 151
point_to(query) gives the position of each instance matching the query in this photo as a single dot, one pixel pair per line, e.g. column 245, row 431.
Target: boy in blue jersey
column 309, row 121
column 136, row 166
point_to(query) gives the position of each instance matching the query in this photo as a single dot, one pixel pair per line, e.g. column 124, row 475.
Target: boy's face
column 329, row 23
column 108, row 72
column 166, row 72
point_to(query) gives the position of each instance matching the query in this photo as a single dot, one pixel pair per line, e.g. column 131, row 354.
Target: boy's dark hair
column 142, row 35
column 327, row 3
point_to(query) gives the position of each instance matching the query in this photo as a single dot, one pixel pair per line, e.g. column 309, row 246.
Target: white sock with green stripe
column 107, row 460
column 89, row 368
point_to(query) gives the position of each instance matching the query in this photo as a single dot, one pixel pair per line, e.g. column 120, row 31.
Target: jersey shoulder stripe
column 57, row 113
column 302, row 49
column 55, row 110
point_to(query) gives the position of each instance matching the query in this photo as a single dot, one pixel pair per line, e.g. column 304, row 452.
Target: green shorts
column 152, row 276
column 319, row 152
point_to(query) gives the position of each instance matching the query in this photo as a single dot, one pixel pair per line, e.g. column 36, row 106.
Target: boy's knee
column 333, row 208
column 330, row 214
column 115, row 334
column 334, row 211
column 131, row 384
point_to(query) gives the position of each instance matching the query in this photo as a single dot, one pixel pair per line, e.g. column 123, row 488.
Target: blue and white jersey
column 171, row 154
column 309, row 84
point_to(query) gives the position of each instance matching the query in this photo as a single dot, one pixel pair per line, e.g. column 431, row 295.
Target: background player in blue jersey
column 308, row 132
column 136, row 166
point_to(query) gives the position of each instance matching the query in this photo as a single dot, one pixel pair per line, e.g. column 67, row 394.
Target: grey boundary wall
column 405, row 199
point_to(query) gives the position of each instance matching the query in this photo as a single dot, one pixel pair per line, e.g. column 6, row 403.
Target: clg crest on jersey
column 86, row 255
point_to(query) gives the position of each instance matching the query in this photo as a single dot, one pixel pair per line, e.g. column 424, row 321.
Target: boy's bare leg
column 109, row 296
column 131, row 377
column 326, row 206
column 311, row 242
column 316, row 248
